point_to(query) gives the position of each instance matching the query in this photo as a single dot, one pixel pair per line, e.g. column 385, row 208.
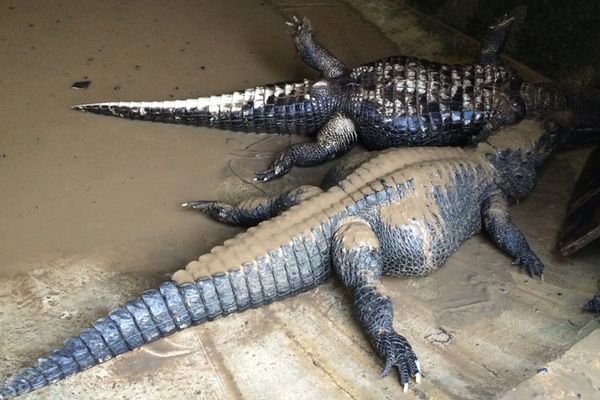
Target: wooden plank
column 582, row 223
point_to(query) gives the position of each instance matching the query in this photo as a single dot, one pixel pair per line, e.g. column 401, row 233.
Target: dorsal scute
column 268, row 237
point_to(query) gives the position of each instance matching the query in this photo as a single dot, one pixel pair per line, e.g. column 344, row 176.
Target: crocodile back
column 405, row 101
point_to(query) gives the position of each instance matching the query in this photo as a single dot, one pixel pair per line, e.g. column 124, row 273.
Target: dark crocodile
column 396, row 101
column 402, row 213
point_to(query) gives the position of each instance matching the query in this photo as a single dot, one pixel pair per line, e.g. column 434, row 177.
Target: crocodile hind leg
column 254, row 210
column 311, row 52
column 496, row 220
column 336, row 137
column 494, row 42
column 357, row 259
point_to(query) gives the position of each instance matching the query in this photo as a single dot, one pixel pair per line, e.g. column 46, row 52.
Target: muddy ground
column 90, row 215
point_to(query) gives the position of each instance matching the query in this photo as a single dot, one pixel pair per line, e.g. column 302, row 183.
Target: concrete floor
column 90, row 215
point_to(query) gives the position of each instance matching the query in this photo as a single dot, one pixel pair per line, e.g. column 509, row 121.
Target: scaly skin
column 393, row 102
column 593, row 305
column 402, row 213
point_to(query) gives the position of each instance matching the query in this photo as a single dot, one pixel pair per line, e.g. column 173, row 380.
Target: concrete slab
column 90, row 216
column 574, row 375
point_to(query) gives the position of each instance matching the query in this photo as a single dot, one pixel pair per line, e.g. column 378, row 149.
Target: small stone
column 80, row 85
column 542, row 371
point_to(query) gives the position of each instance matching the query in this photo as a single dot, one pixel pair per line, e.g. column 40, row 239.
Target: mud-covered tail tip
column 59, row 364
column 155, row 314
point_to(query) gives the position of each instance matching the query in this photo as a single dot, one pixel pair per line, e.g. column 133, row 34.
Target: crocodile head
column 517, row 152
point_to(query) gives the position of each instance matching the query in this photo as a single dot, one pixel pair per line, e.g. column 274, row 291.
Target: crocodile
column 401, row 213
column 392, row 102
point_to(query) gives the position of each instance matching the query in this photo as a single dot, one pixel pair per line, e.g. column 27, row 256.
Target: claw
column 280, row 167
column 418, row 377
column 387, row 368
column 294, row 25
column 264, row 176
column 537, row 274
column 405, row 388
column 198, row 205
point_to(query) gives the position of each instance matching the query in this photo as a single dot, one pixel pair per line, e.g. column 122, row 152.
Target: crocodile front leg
column 494, row 42
column 358, row 261
column 254, row 210
column 311, row 52
column 336, row 137
column 496, row 220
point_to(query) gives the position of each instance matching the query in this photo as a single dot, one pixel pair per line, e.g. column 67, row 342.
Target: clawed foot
column 282, row 165
column 216, row 209
column 396, row 351
column 503, row 22
column 532, row 264
column 265, row 176
column 297, row 27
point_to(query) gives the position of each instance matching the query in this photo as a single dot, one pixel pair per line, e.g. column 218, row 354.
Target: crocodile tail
column 278, row 108
column 543, row 98
column 155, row 314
